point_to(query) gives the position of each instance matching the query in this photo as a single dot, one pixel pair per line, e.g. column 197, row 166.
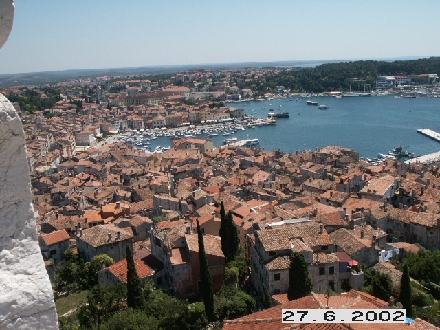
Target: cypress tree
column 267, row 297
column 135, row 294
column 300, row 284
column 206, row 290
column 234, row 240
column 405, row 295
column 223, row 228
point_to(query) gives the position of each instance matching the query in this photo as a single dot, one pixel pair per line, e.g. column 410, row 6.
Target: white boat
column 323, row 107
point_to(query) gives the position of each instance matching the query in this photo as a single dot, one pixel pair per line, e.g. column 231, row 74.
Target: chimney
column 373, row 241
column 351, row 222
column 331, row 194
column 80, row 232
column 118, row 236
column 362, row 234
column 321, row 228
column 118, row 205
column 109, row 238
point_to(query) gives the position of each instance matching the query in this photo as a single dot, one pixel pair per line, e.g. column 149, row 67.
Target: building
column 385, row 82
column 173, row 244
column 270, row 251
column 103, row 239
column 85, row 138
column 117, row 273
column 54, row 245
column 192, row 143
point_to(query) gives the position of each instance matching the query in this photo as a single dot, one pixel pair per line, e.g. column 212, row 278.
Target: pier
column 430, row 133
column 425, row 159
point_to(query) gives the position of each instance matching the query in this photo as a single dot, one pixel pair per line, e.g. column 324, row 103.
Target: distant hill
column 39, row 78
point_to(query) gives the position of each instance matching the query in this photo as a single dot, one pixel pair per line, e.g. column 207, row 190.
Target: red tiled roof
column 55, row 237
column 119, row 269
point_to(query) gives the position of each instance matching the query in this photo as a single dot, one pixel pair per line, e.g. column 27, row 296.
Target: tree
column 267, row 297
column 131, row 319
column 95, row 265
column 205, row 279
column 229, row 236
column 135, row 294
column 405, row 295
column 231, row 302
column 300, row 284
column 382, row 286
column 101, row 303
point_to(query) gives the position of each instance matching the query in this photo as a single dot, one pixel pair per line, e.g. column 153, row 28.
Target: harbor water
column 370, row 125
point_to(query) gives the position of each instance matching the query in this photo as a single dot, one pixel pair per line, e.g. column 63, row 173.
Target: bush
column 231, row 303
column 131, row 320
column 231, row 275
column 421, row 299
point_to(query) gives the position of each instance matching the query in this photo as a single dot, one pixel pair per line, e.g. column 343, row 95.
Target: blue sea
column 370, row 125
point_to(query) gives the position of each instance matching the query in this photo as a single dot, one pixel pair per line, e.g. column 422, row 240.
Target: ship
column 310, row 102
column 278, row 114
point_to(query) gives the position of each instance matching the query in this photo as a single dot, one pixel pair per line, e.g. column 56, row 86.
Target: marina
column 373, row 126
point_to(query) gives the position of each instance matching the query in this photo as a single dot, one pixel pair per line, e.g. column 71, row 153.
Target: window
column 331, row 270
column 276, row 277
column 321, row 270
column 216, row 270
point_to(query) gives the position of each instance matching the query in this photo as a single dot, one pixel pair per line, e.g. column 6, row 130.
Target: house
column 178, row 250
column 117, row 273
column 381, row 188
column 54, row 245
column 85, row 138
column 103, row 239
column 192, row 143
column 271, row 318
column 141, row 227
column 209, row 224
column 362, row 243
column 270, row 251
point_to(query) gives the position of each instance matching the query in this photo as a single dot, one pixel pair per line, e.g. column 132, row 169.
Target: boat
column 323, row 107
column 252, row 142
column 231, row 140
column 278, row 114
column 310, row 102
column 271, row 121
column 398, row 152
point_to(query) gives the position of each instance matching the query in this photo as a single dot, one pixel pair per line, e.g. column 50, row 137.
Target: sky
column 52, row 35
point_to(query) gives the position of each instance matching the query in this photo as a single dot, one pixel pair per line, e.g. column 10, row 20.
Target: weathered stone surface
column 6, row 19
column 26, row 299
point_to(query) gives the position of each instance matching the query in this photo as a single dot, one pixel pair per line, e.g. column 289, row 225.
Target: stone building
column 54, row 245
column 178, row 249
column 103, row 239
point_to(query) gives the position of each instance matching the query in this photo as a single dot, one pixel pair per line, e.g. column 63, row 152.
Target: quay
column 430, row 133
column 425, row 159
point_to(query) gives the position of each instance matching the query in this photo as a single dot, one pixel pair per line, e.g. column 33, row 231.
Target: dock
column 243, row 143
column 425, row 159
column 430, row 133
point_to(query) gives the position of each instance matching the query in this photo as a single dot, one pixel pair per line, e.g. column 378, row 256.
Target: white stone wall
column 26, row 299
column 6, row 19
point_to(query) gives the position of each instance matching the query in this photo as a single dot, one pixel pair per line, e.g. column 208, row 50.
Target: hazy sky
column 89, row 34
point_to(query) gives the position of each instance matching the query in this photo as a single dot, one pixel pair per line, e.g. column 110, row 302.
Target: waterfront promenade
column 425, row 159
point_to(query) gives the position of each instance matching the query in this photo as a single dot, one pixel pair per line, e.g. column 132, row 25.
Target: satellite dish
column 6, row 19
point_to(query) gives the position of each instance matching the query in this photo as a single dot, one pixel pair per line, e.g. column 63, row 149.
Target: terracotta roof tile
column 99, row 235
column 212, row 244
column 119, row 269
column 55, row 237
